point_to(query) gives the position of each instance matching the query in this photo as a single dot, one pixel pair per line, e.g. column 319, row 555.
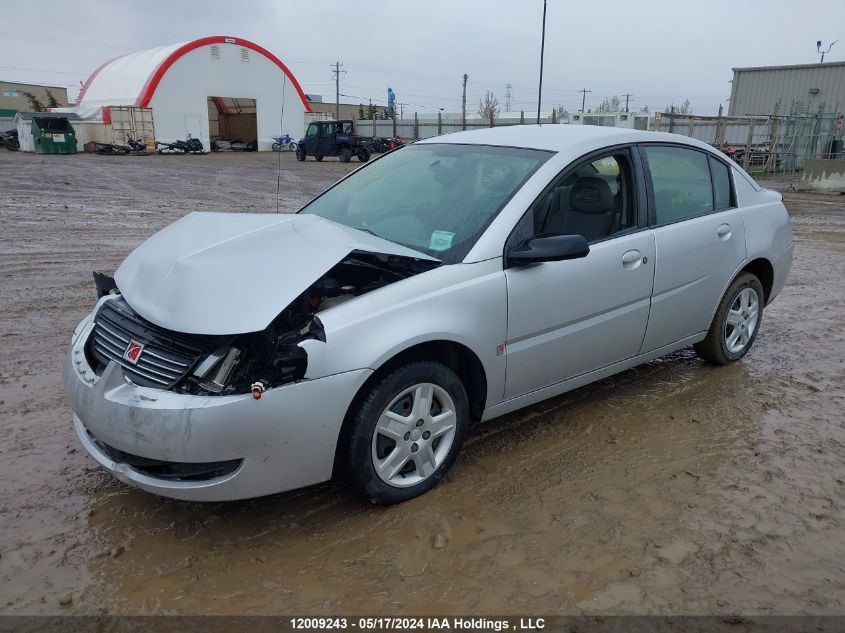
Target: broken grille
column 166, row 358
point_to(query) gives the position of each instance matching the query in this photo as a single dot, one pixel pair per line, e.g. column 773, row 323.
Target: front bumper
column 285, row 440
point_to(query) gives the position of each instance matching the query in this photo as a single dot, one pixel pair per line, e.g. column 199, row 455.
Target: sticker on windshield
column 441, row 240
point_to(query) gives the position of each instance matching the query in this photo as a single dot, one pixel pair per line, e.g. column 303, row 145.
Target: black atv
column 333, row 138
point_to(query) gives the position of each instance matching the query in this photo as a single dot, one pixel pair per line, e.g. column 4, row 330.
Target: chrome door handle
column 631, row 259
column 724, row 231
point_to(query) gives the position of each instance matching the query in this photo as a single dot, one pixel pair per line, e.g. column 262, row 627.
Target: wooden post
column 771, row 161
column 691, row 128
column 749, row 141
column 522, row 117
column 394, row 124
column 374, row 122
column 491, row 118
column 554, row 115
column 416, row 127
column 439, row 123
column 720, row 133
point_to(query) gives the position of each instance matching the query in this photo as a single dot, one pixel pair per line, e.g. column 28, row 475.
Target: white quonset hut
column 216, row 86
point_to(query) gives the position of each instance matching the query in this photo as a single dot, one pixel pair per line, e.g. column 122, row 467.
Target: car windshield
column 435, row 198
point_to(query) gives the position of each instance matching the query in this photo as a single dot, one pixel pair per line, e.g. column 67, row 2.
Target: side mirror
column 549, row 248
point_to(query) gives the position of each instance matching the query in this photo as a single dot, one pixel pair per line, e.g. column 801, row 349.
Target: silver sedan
column 444, row 284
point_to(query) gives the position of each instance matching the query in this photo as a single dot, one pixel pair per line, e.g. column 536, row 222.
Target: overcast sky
column 661, row 52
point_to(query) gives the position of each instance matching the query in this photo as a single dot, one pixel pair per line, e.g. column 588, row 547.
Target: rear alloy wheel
column 345, row 155
column 407, row 432
column 300, row 153
column 736, row 323
column 363, row 154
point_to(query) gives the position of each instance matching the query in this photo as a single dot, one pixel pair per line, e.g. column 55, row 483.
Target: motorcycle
column 188, row 146
column 284, row 143
column 10, row 140
column 132, row 146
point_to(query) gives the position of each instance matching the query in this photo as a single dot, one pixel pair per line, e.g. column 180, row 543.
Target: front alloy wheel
column 413, row 435
column 407, row 432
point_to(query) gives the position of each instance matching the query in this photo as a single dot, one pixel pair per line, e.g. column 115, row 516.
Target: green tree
column 360, row 110
column 34, row 102
column 52, row 102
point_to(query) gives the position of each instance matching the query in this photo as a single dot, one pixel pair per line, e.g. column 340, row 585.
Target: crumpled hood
column 231, row 273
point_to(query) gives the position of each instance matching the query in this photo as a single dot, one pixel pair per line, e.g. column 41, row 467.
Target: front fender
column 461, row 303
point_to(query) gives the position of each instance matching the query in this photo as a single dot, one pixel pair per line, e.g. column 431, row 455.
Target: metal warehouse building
column 799, row 89
column 211, row 87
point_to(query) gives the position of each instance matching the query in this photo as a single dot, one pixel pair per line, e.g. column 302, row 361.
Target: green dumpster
column 53, row 135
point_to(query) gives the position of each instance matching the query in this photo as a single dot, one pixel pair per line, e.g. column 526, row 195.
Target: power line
column 627, row 96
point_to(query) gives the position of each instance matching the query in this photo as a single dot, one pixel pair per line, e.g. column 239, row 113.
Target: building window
column 10, row 92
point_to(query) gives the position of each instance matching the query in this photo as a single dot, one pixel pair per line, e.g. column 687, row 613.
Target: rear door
column 327, row 144
column 699, row 239
column 570, row 317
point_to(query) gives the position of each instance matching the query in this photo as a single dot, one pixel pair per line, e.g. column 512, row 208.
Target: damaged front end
column 214, row 364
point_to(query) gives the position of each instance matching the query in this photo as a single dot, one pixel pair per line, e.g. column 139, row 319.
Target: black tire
column 345, row 154
column 300, row 154
column 363, row 154
column 292, row 147
column 277, row 147
column 359, row 448
column 714, row 348
column 318, row 158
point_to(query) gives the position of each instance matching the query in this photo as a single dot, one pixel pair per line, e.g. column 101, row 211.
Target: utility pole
column 337, row 69
column 464, row 104
column 584, row 92
column 508, row 97
column 627, row 96
column 542, row 51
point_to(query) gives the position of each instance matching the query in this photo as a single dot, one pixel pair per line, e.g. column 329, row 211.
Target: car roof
column 561, row 137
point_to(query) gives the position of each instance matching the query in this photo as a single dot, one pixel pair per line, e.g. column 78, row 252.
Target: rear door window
column 721, row 184
column 681, row 183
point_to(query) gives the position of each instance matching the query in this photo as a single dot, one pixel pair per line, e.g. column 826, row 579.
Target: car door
column 699, row 238
column 568, row 318
column 312, row 139
column 327, row 144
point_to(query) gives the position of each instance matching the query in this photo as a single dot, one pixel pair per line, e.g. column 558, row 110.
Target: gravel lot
column 671, row 488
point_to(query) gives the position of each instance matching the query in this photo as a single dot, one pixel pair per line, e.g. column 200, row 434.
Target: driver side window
column 595, row 200
column 312, row 130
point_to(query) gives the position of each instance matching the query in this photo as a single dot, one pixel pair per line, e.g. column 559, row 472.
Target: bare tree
column 613, row 104
column 488, row 107
column 684, row 108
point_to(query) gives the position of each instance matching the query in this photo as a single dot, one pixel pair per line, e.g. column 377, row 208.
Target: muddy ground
column 671, row 488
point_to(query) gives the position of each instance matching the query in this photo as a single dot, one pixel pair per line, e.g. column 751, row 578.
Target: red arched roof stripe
column 91, row 78
column 152, row 83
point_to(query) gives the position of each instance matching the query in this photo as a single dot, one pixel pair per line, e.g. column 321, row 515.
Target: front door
column 700, row 239
column 312, row 139
column 570, row 317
